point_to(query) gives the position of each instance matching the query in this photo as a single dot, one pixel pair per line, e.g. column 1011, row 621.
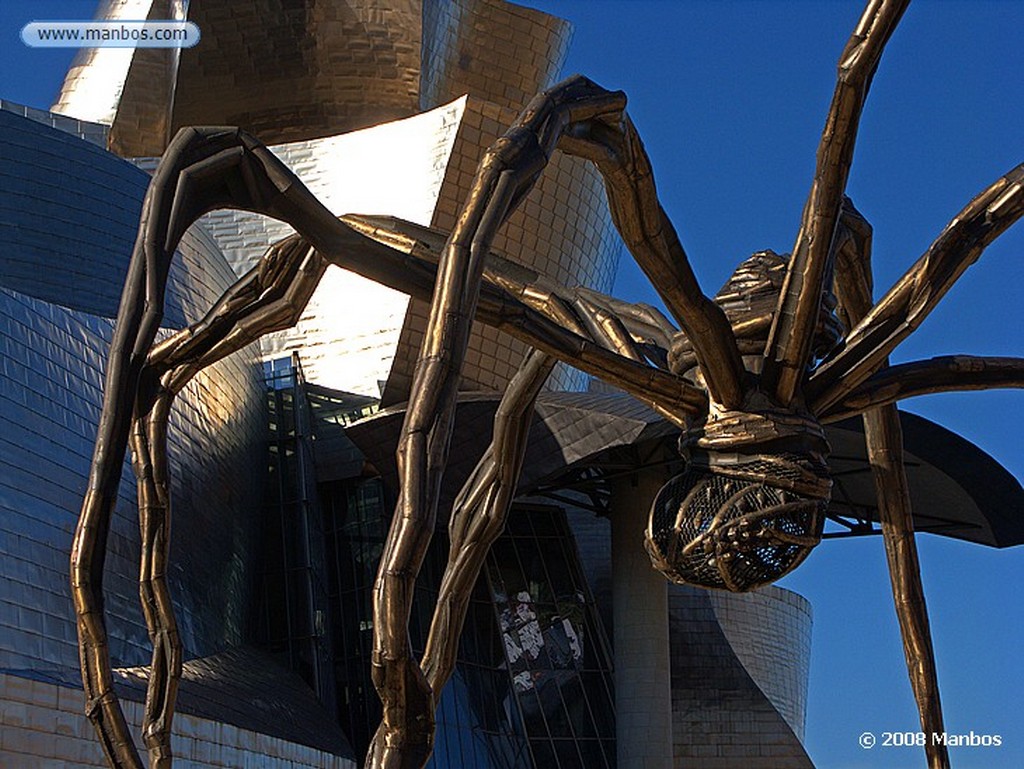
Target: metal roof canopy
column 578, row 441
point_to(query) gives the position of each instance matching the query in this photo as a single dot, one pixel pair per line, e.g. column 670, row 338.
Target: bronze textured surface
column 495, row 51
column 287, row 71
column 748, row 507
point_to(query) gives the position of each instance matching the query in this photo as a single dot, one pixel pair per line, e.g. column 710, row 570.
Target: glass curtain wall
column 532, row 685
column 293, row 596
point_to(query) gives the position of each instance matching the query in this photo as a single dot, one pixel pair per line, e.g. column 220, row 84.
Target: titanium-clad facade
column 69, row 214
column 379, row 107
column 739, row 677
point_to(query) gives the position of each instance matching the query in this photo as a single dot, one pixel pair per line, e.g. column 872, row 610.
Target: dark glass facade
column 553, row 643
column 532, row 684
column 293, row 597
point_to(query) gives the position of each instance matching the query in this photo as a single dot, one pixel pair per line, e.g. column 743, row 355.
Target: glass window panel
column 600, row 705
column 557, row 568
column 504, row 568
column 543, row 754
column 609, row 753
column 568, row 756
column 533, row 714
column 592, row 754
column 544, row 523
column 577, row 706
column 554, row 709
column 519, row 523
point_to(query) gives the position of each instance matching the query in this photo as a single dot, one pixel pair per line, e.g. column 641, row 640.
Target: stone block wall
column 42, row 726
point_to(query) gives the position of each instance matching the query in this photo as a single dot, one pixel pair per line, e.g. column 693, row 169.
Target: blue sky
column 730, row 98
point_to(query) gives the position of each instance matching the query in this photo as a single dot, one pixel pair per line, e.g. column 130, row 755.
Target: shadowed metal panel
column 956, row 489
column 68, row 212
column 715, row 700
column 50, row 397
column 769, row 630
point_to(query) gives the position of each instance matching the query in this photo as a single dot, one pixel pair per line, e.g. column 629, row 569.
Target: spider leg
column 643, row 321
column 505, row 175
column 883, row 436
column 202, row 169
column 138, row 320
column 149, row 461
column 613, row 145
column 269, row 298
column 479, row 515
column 545, row 315
column 787, row 352
column 947, row 373
column 905, row 306
column 607, row 327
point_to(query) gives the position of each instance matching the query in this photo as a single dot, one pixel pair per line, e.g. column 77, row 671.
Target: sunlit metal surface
column 348, row 333
column 290, row 71
column 131, row 90
column 416, row 168
column 496, row 51
column 64, row 254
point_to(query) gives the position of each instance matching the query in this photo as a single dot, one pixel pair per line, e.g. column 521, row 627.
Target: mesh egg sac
column 716, row 531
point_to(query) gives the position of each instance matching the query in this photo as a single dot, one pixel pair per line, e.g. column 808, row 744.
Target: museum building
column 575, row 652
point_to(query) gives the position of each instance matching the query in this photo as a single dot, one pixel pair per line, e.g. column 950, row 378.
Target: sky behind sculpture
column 730, row 98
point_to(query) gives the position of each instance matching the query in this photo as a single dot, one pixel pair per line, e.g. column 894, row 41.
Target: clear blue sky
column 730, row 98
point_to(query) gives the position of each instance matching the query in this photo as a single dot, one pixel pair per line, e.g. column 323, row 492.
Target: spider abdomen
column 751, row 503
column 720, row 529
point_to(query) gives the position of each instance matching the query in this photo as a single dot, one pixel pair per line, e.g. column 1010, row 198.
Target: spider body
column 749, row 377
column 751, row 503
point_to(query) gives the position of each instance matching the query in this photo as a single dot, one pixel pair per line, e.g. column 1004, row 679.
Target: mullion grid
column 543, row 747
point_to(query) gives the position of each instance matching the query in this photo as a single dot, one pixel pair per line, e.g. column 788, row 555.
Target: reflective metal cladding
column 69, row 216
column 300, row 70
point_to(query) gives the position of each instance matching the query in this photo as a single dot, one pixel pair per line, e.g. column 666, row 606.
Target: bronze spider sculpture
column 789, row 344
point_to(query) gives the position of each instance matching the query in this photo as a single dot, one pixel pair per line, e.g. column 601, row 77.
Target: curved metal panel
column 288, row 70
column 492, row 50
column 68, row 212
column 715, row 698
